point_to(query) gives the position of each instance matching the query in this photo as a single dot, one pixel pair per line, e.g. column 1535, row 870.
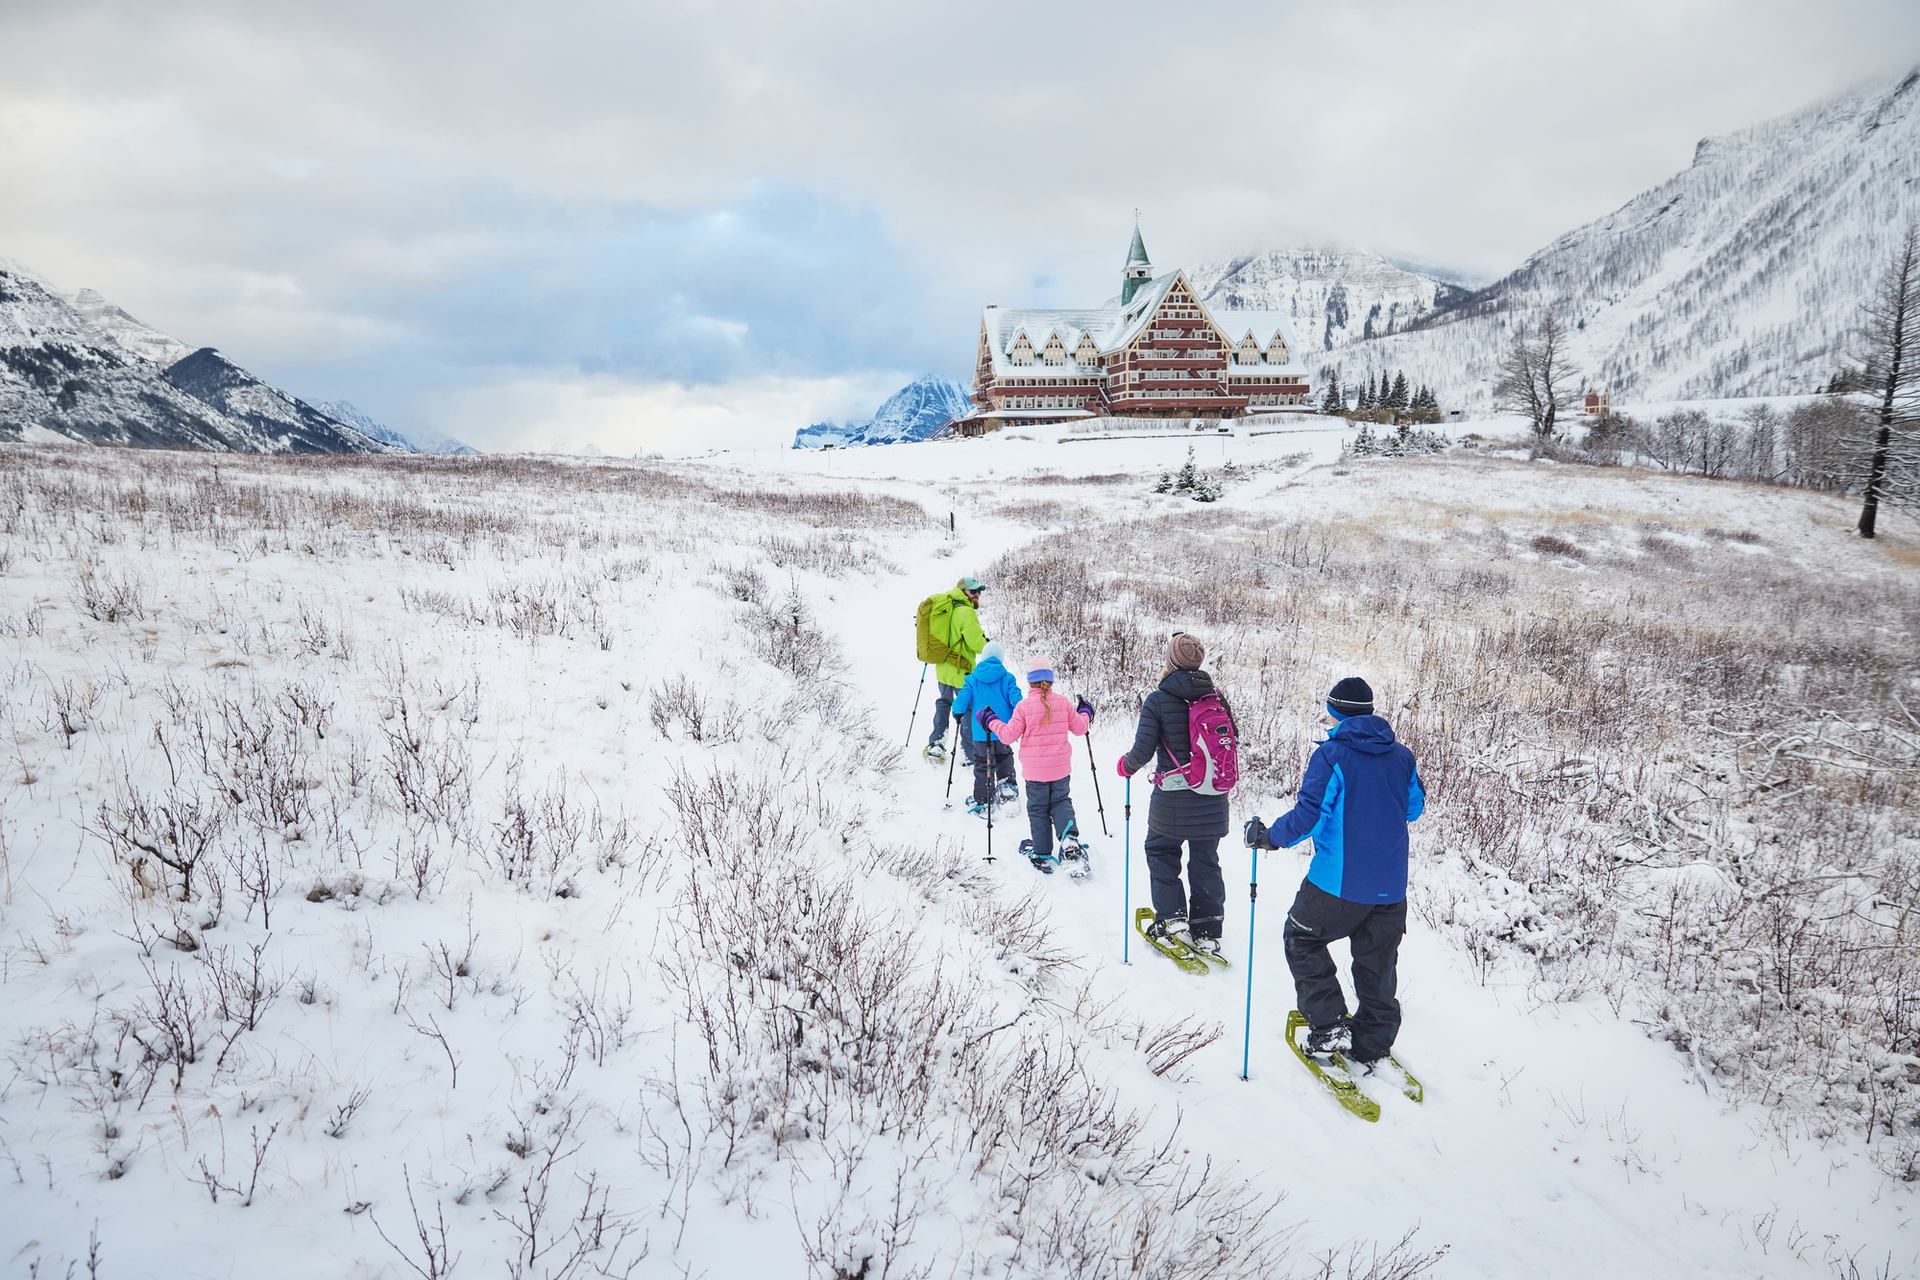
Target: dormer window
column 1021, row 351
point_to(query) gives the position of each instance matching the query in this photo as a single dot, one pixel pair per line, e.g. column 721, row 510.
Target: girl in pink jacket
column 1039, row 727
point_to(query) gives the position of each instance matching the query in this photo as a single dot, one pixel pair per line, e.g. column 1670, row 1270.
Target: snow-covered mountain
column 81, row 369
column 917, row 411
column 1334, row 296
column 419, row 440
column 129, row 334
column 1742, row 275
column 289, row 424
column 63, row 379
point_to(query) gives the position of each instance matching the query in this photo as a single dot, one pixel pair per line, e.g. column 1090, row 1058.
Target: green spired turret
column 1138, row 270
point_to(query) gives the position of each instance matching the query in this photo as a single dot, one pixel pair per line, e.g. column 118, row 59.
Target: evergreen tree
column 1366, row 393
column 1332, row 402
column 1189, row 474
column 1398, row 397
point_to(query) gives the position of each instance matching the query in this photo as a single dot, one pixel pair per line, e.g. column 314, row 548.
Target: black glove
column 1086, row 709
column 1255, row 834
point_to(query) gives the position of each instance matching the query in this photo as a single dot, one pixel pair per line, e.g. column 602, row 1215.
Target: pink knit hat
column 1039, row 667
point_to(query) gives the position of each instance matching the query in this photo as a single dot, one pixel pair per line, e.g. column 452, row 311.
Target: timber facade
column 1158, row 352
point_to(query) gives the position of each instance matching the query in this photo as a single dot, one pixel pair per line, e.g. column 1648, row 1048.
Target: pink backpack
column 1214, row 765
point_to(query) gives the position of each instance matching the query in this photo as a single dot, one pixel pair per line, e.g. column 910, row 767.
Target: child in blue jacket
column 990, row 686
column 1360, row 791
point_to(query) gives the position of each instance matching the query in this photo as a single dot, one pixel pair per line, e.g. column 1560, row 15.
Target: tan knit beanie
column 1186, row 652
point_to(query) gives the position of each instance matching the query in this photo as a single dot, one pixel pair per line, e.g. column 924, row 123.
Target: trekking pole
column 1098, row 802
column 950, row 756
column 1253, row 904
column 916, row 703
column 993, row 802
column 1126, row 878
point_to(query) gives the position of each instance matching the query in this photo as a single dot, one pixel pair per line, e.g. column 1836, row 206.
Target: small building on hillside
column 1598, row 402
column 1157, row 351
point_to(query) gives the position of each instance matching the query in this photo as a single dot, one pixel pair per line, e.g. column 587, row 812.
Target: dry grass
column 307, row 689
column 1645, row 789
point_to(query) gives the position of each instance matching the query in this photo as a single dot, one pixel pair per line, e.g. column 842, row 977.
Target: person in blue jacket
column 988, row 686
column 1360, row 791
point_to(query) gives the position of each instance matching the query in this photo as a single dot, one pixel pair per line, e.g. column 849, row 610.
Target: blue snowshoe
column 1044, row 863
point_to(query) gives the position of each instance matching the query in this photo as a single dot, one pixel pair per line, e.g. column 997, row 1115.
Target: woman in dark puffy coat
column 1176, row 817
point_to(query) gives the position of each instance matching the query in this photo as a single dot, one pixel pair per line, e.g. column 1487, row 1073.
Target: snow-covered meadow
column 435, row 867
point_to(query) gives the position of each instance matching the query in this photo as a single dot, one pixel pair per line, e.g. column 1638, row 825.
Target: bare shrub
column 154, row 833
column 72, row 705
column 548, row 841
column 427, row 1255
column 1616, row 773
column 340, row 1122
column 240, row 990
column 591, row 1239
column 1168, row 1045
column 108, row 597
column 167, row 1025
column 1550, row 544
column 427, row 765
column 831, row 553
column 860, row 1037
column 214, row 1184
column 681, row 703
column 745, row 583
column 787, row 636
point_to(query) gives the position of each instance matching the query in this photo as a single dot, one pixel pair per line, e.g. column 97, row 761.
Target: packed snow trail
column 1556, row 1139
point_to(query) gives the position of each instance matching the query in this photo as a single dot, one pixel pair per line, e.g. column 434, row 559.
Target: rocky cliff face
column 1333, row 296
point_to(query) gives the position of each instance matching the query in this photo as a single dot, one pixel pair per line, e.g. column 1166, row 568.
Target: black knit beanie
column 1352, row 697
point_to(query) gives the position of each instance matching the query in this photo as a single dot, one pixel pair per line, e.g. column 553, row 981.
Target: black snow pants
column 1209, row 906
column 1374, row 931
column 1049, row 809
column 992, row 765
column 942, row 713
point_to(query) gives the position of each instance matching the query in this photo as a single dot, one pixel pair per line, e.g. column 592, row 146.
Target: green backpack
column 933, row 625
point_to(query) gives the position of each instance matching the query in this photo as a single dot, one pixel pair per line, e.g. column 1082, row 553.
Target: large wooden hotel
column 1158, row 352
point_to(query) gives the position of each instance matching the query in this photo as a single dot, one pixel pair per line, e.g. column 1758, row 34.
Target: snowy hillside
column 444, row 866
column 1333, row 296
column 1742, row 275
column 419, row 440
column 83, row 370
column 917, row 411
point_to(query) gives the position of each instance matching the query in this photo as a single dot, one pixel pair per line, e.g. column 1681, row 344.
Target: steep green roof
column 1137, row 251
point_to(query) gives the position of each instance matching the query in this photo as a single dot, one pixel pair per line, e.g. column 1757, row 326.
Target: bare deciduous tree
column 1890, row 327
column 1536, row 377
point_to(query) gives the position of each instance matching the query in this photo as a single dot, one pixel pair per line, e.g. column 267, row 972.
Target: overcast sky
column 631, row 223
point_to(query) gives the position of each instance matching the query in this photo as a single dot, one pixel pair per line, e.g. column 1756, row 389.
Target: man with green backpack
column 947, row 634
